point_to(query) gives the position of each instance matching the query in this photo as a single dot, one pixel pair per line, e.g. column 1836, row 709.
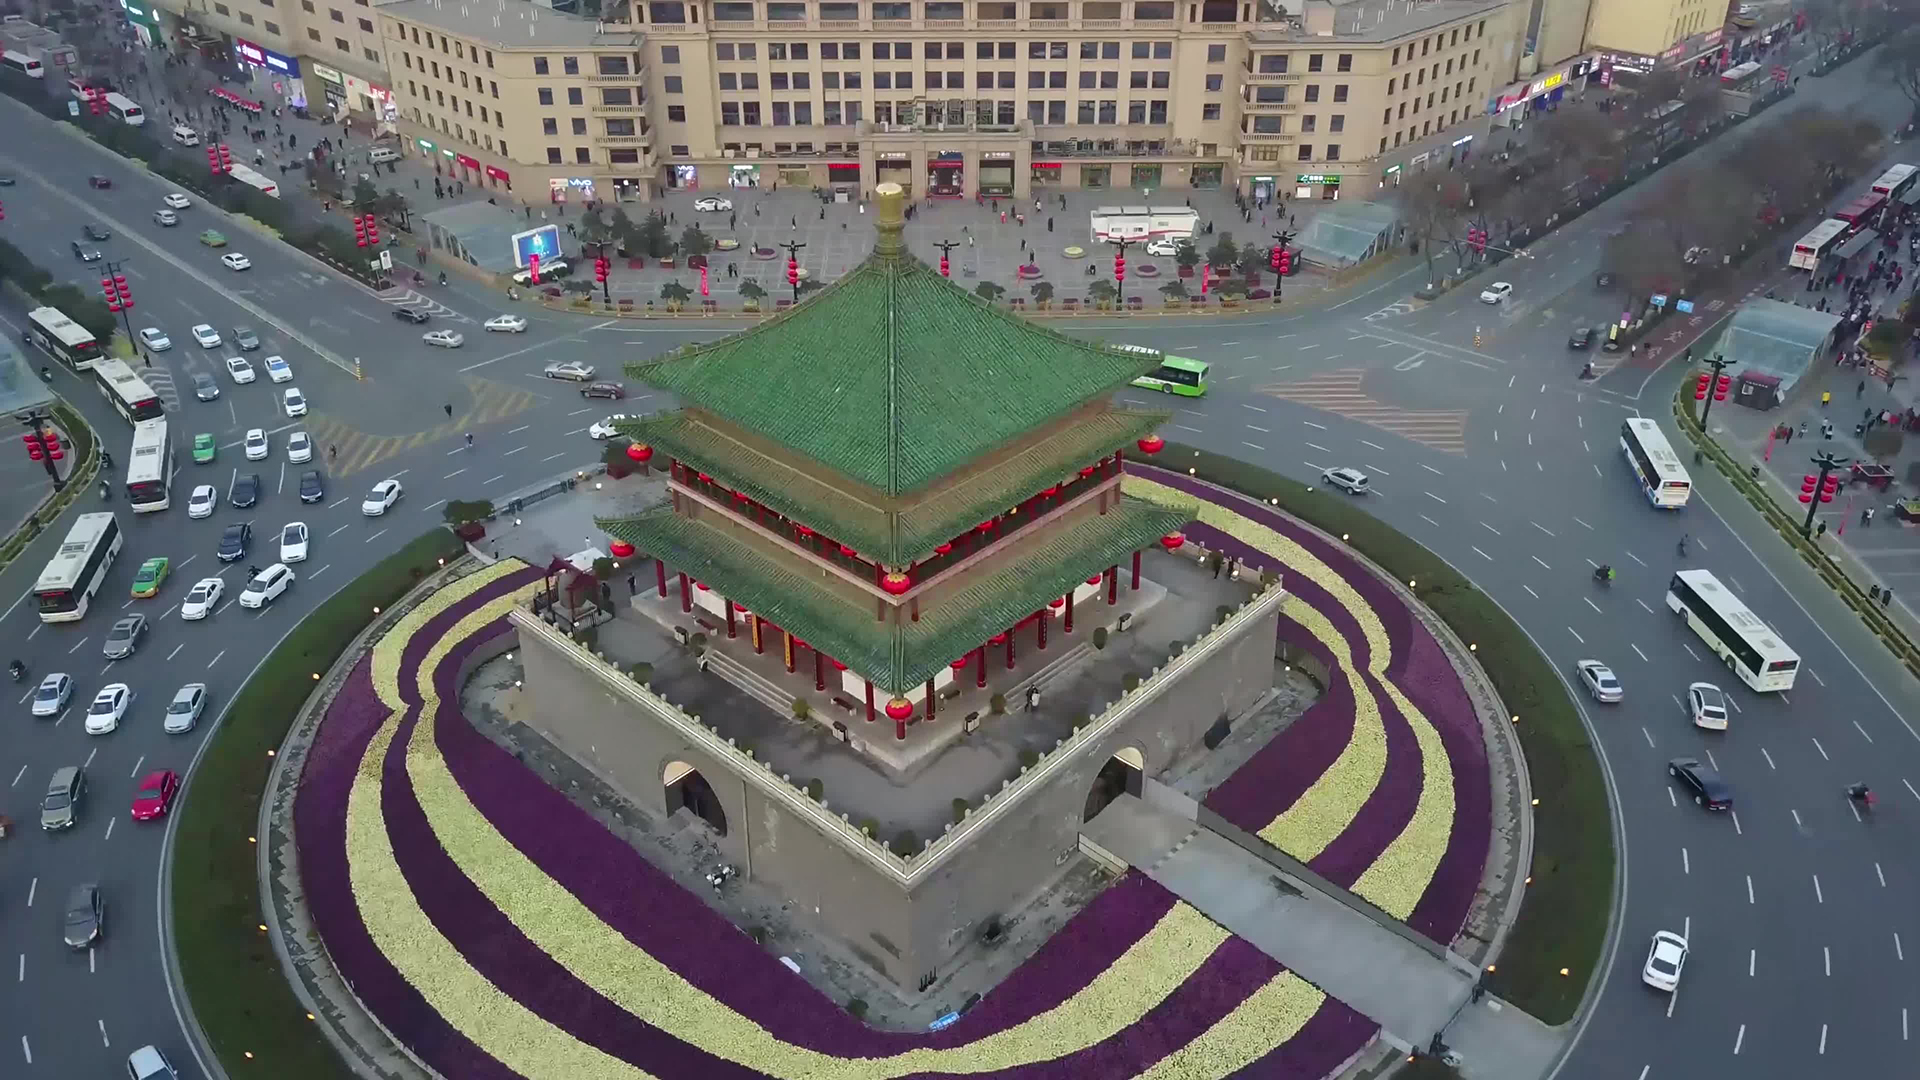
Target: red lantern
column 943, row 549
column 838, row 666
column 740, row 496
column 895, row 584
column 1096, row 579
column 847, row 551
column 1051, row 491
column 705, row 479
column 700, row 585
column 1152, row 444
column 985, row 526
column 1086, row 472
column 1172, row 541
column 958, row 665
column 640, row 452
column 620, row 548
column 1058, row 601
column 997, row 639
column 803, row 530
column 899, row 709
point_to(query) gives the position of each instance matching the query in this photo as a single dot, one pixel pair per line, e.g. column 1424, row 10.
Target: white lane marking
column 1648, row 735
column 1819, row 897
column 1541, row 561
column 1431, row 469
column 1636, row 651
column 1583, row 523
column 1590, row 603
column 1738, row 1038
column 1576, row 635
column 1490, row 528
column 1541, row 527
column 218, row 655
column 1643, row 604
column 1881, row 874
column 1769, row 757
column 1822, row 749
column 1480, row 553
column 1750, row 899
column 1816, row 676
column 1862, row 731
column 1429, row 495
column 1530, row 591
column 1686, row 863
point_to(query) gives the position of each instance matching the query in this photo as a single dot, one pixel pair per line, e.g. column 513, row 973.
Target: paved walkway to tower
column 1410, row 986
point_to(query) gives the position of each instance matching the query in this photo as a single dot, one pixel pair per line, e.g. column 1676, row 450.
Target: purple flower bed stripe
column 1387, row 811
column 678, row 929
column 320, row 812
column 1431, row 680
column 1333, row 1035
column 414, row 652
column 1280, row 772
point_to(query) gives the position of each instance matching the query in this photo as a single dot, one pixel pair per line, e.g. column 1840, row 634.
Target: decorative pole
column 946, row 248
column 793, row 266
column 1826, row 463
column 1711, row 385
column 1120, row 269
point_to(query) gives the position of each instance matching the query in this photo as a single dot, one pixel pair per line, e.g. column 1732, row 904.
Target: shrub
column 997, row 704
column 1029, row 758
column 870, row 826
column 801, row 710
column 1130, row 683
column 960, row 808
column 466, row 511
column 697, row 643
column 907, row 843
column 641, row 671
column 816, row 787
column 857, row 1008
column 1099, row 637
column 1220, row 613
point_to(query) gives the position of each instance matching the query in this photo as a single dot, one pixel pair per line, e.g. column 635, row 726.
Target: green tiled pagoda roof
column 893, row 538
column 839, row 620
column 893, row 376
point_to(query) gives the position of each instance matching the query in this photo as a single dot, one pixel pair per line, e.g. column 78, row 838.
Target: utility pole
column 1120, row 270
column 1711, row 384
column 793, row 266
column 1827, row 464
column 946, row 248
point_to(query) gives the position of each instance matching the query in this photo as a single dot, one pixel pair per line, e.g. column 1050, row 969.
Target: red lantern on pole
column 533, row 268
column 703, row 281
column 1172, row 541
column 1152, row 444
column 640, row 452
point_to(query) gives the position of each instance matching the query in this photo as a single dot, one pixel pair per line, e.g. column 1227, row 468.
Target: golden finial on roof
column 890, row 217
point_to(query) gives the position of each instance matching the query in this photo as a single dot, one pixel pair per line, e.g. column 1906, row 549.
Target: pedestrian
column 1049, row 224
column 1860, row 389
column 1215, row 562
column 1033, row 697
column 333, row 451
column 1233, row 569
column 1886, row 598
column 148, row 357
column 1803, row 428
column 633, row 589
column 796, row 224
column 1826, row 398
column 1866, row 516
column 448, row 409
column 1821, row 531
column 469, row 440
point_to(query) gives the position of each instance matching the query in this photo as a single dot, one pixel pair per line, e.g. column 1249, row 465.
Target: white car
column 507, row 324
column 1350, row 480
column 202, row 599
column 278, row 370
column 241, row 370
column 569, row 369
column 1496, row 292
column 293, row 402
column 236, row 261
column 381, row 498
column 708, row 204
column 54, row 693
column 1164, row 246
column 109, row 706
column 202, row 502
column 166, row 219
column 299, row 447
column 446, row 339
column 605, row 429
column 266, row 586
column 256, row 444
column 207, row 336
column 293, row 542
column 1665, row 959
column 184, row 710
column 154, row 339
column 1599, row 680
column 177, row 201
column 1708, row 706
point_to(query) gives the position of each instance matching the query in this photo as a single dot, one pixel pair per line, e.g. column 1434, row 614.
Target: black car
column 234, row 540
column 412, row 315
column 603, row 390
column 85, row 254
column 95, row 232
column 245, row 338
column 1582, row 337
column 1708, row 789
column 313, row 487
column 245, row 491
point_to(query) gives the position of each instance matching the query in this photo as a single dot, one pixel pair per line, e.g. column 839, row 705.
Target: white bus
column 24, row 64
column 78, row 568
column 125, row 110
column 53, row 333
column 1663, row 480
column 150, row 467
column 254, row 179
column 1750, row 647
column 1895, row 182
column 128, row 393
column 1818, row 244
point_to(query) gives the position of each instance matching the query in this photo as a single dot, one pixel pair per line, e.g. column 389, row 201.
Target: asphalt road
column 1491, row 453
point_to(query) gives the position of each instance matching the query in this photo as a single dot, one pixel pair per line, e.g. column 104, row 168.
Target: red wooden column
column 1040, row 631
column 686, row 594
column 869, row 701
column 929, row 699
column 732, row 629
column 1067, row 627
column 1136, row 571
column 980, row 675
column 660, row 575
column 1010, row 636
column 819, row 671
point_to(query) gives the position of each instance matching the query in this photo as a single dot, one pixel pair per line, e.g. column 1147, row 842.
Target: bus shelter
column 1776, row 339
column 1855, row 244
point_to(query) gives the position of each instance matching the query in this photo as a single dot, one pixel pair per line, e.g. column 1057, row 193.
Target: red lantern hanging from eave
column 1058, row 601
column 1151, row 444
column 997, row 639
column 943, row 549
column 958, row 665
column 700, row 585
column 640, row 452
column 1086, row 472
column 705, row 479
column 1050, row 492
column 838, row 666
column 899, row 709
column 895, row 584
column 985, row 526
column 1172, row 541
column 802, row 530
column 621, row 549
column 847, row 551
column 1096, row 579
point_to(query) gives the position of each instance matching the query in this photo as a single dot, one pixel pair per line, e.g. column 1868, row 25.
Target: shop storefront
column 743, row 176
column 1391, row 177
column 287, row 87
column 895, row 168
column 562, row 189
column 333, row 88
column 145, row 22
column 683, row 177
column 1316, row 186
column 363, row 96
column 947, row 175
column 1045, row 173
column 629, row 189
column 1096, row 176
column 796, row 176
column 844, row 174
column 996, row 173
column 1145, row 178
column 1517, row 101
column 1209, row 177
column 499, row 178
column 1261, row 187
column 1614, row 66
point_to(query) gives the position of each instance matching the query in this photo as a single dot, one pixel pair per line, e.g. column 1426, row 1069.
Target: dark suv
column 233, row 541
column 603, row 390
column 95, row 232
column 412, row 315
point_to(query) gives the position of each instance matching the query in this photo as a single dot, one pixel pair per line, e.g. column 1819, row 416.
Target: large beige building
column 1669, row 31
column 323, row 54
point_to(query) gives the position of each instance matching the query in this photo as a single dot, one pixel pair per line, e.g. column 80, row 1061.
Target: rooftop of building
column 510, row 24
column 484, row 230
column 1367, row 21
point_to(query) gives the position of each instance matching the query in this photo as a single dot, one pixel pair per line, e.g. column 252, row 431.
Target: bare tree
column 1431, row 206
column 1899, row 63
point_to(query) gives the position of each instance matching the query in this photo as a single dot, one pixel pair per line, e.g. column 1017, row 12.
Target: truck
column 254, row 180
column 1144, row 223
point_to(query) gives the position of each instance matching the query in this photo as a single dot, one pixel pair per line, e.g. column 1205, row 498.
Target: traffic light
column 1120, row 266
column 1700, row 387
column 1275, row 257
column 359, row 232
column 944, row 268
column 373, row 231
column 533, row 268
column 600, row 268
column 1286, row 262
column 793, row 272
column 226, row 159
column 1720, row 386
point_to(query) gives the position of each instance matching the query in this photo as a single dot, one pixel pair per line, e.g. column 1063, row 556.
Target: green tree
column 1252, row 259
column 626, row 234
column 675, row 293
column 596, row 230
column 989, row 291
column 365, row 195
column 1224, row 252
column 1187, row 254
column 395, row 205
column 1103, row 290
column 1174, row 290
column 751, row 290
column 1042, row 291
column 652, row 239
column 1231, row 287
column 695, row 241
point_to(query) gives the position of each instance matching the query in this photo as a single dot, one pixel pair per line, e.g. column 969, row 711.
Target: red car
column 155, row 795
column 99, row 181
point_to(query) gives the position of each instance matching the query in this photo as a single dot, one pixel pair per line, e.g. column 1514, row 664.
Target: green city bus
column 1176, row 375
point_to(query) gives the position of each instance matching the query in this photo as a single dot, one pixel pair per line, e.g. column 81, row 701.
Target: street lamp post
column 1711, row 387
column 793, row 266
column 1120, row 270
column 946, row 249
column 114, row 287
column 1827, row 463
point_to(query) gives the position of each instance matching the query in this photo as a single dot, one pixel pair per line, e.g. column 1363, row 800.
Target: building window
column 540, row 68
column 1216, row 54
column 677, row 114
column 1214, row 83
column 549, row 126
column 1315, row 62
column 679, row 150
column 366, row 25
column 1343, row 62
column 312, row 34
column 729, row 81
column 582, row 155
column 730, row 113
column 882, row 80
column 1333, row 151
column 1210, row 111
column 1337, row 122
column 332, row 13
column 274, row 29
column 1142, row 50
column 671, row 84
column 342, row 44
column 574, row 97
column 493, row 89
column 246, row 19
column 1309, row 122
column 1273, row 64
column 545, row 95
column 749, row 80
column 1313, row 92
column 670, row 54
column 750, row 113
column 579, row 126
column 553, row 155
column 1306, row 152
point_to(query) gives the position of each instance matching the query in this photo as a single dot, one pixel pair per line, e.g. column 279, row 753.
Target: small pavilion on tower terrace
column 895, row 483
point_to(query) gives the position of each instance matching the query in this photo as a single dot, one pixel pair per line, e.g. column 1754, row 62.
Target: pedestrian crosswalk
column 1339, row 392
column 357, row 450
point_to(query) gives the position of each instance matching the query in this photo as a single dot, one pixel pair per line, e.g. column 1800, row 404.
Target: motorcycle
column 17, row 670
column 1861, row 795
column 1603, row 574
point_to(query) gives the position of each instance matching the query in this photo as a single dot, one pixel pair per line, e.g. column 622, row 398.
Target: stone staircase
column 754, row 685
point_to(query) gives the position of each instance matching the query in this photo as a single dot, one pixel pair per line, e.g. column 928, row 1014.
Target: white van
column 185, row 135
column 266, row 587
column 380, row 155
